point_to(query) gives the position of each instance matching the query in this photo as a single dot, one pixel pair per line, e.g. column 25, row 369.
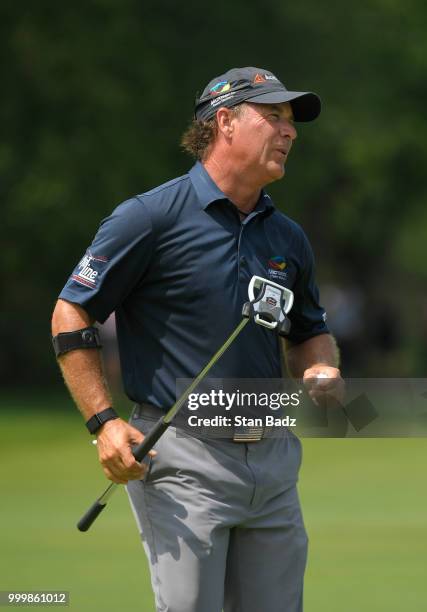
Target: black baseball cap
column 254, row 85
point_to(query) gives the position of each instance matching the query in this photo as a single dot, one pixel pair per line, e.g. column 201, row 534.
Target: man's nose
column 288, row 129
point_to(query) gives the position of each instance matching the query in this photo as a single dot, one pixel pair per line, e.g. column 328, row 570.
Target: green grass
column 364, row 504
column 50, row 475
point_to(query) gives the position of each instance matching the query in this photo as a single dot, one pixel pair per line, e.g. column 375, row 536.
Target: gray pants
column 221, row 524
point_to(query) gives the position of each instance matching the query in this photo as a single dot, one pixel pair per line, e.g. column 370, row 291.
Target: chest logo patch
column 276, row 268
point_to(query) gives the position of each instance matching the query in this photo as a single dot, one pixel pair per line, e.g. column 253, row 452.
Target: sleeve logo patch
column 86, row 272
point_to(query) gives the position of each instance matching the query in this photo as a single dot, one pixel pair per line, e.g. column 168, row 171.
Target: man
column 219, row 518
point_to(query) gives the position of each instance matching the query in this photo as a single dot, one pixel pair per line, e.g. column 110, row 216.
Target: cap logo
column 259, row 78
column 222, row 98
column 220, row 87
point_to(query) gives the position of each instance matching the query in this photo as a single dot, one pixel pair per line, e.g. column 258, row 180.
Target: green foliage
column 96, row 95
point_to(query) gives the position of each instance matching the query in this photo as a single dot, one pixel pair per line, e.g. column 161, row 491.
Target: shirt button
column 243, row 260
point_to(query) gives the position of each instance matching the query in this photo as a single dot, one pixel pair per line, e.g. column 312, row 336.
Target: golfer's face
column 263, row 138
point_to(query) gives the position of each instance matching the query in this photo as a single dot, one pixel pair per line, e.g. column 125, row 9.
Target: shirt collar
column 208, row 191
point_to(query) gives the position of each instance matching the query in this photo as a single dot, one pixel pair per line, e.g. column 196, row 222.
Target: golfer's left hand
column 324, row 384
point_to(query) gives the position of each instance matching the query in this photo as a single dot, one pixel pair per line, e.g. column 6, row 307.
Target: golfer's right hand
column 115, row 441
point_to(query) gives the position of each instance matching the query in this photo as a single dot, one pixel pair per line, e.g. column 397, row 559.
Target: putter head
column 269, row 304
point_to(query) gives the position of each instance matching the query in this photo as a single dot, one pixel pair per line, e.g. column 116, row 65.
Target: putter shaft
column 140, row 451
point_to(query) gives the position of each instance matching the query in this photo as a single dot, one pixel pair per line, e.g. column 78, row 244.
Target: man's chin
column 277, row 172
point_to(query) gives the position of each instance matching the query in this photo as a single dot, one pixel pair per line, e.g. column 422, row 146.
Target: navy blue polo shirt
column 174, row 264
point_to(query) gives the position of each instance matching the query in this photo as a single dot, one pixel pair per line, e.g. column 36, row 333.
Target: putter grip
column 139, row 453
column 150, row 439
column 88, row 518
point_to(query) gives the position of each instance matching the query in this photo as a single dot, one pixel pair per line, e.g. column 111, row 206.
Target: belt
column 234, row 433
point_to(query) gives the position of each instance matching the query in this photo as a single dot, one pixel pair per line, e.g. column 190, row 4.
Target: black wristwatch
column 98, row 419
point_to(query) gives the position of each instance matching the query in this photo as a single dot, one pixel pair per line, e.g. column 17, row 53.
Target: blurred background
column 96, row 95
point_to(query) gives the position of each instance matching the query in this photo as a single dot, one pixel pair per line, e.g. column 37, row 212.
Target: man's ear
column 224, row 119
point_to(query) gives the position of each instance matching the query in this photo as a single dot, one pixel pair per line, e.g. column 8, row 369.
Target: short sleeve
column 114, row 263
column 307, row 317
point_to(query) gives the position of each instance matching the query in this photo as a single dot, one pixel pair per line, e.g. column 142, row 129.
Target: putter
column 268, row 306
